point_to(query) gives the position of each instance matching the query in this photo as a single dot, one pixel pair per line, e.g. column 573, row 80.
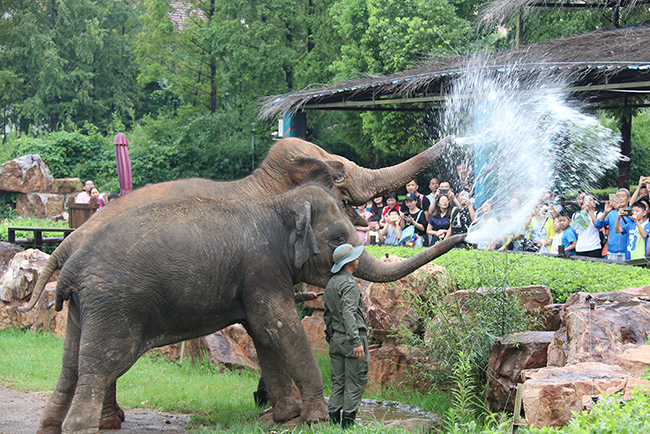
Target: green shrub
column 476, row 268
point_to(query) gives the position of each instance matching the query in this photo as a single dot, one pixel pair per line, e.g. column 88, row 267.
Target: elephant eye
column 339, row 177
column 340, row 239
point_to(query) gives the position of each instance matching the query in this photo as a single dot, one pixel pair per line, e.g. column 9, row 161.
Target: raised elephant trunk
column 376, row 182
column 372, row 270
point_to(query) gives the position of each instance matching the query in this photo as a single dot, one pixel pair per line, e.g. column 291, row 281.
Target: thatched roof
column 603, row 62
column 499, row 10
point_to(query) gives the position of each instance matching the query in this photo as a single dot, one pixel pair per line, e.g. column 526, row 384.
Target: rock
column 66, row 185
column 387, row 305
column 598, row 327
column 43, row 205
column 25, row 174
column 633, row 384
column 635, row 360
column 7, row 253
column 389, row 365
column 511, row 355
column 232, row 348
column 314, row 326
column 533, row 298
column 551, row 394
column 22, row 273
column 552, row 317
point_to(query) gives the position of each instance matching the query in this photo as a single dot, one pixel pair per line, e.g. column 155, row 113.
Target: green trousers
column 349, row 374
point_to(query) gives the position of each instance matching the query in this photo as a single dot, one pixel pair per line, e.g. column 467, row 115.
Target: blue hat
column 343, row 254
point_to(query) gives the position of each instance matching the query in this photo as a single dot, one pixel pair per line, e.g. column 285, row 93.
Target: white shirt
column 82, row 198
column 589, row 239
column 557, row 240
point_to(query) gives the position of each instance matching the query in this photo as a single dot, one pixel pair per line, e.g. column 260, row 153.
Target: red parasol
column 123, row 164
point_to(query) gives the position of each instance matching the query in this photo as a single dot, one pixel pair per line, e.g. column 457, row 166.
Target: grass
column 219, row 402
column 33, row 222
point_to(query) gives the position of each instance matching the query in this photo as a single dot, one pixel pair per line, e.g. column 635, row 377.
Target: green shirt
column 344, row 307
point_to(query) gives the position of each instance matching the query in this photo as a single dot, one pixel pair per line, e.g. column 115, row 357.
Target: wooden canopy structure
column 605, row 69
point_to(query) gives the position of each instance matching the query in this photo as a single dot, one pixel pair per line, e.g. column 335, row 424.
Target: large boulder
column 598, row 327
column 635, row 360
column 388, row 307
column 314, row 326
column 510, row 356
column 43, row 205
column 25, row 174
column 390, row 365
column 42, row 317
column 18, row 281
column 66, row 185
column 7, row 253
column 550, row 394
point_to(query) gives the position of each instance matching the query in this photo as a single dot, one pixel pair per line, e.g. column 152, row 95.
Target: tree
column 73, row 60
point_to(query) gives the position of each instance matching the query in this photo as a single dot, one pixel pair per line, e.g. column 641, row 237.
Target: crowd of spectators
column 616, row 229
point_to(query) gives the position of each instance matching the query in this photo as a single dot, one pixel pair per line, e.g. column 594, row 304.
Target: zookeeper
column 346, row 331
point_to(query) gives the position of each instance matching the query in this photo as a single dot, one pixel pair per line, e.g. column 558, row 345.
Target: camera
column 444, row 191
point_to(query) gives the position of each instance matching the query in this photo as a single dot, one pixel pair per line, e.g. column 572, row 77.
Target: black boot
column 335, row 417
column 347, row 421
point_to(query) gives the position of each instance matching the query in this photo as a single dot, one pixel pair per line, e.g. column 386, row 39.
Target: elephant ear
column 309, row 169
column 305, row 245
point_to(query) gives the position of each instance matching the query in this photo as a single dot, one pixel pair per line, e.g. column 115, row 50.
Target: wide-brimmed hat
column 343, row 254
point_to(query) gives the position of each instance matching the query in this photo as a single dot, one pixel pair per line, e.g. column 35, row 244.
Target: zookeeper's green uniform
column 347, row 328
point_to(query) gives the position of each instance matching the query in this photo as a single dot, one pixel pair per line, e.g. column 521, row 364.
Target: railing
column 37, row 240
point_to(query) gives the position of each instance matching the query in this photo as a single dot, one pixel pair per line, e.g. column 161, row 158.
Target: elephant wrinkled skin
column 289, row 163
column 179, row 269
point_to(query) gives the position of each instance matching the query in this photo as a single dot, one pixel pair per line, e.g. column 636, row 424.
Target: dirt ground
column 20, row 412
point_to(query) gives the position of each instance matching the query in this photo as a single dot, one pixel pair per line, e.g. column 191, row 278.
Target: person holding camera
column 414, row 216
column 616, row 242
column 440, row 220
column 421, row 200
column 392, row 231
column 588, row 238
column 637, row 230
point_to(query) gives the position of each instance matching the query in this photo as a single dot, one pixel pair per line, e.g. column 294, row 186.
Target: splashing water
column 520, row 137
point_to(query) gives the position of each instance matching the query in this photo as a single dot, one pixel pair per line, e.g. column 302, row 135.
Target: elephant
column 178, row 269
column 289, row 163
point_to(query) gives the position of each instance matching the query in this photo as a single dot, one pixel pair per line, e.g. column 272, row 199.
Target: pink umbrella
column 123, row 164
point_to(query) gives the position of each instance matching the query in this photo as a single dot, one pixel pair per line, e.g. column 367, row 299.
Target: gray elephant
column 179, row 269
column 289, row 163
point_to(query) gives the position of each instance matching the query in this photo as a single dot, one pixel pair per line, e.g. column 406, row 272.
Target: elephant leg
column 112, row 414
column 105, row 353
column 278, row 332
column 278, row 384
column 59, row 403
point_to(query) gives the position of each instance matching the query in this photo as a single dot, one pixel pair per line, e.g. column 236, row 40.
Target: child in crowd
column 391, row 232
column 415, row 216
column 556, row 240
column 94, row 194
column 373, row 230
column 637, row 230
column 569, row 236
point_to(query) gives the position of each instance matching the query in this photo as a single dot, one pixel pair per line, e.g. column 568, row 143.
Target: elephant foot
column 48, row 430
column 314, row 411
column 285, row 410
column 111, row 422
column 119, row 412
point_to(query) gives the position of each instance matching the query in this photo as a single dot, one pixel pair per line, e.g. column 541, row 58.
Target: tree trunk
column 625, row 125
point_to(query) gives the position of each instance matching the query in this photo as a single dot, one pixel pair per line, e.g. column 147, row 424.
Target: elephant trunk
column 372, row 270
column 376, row 182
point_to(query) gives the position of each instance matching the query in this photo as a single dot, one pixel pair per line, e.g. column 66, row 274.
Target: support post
column 294, row 125
column 625, row 125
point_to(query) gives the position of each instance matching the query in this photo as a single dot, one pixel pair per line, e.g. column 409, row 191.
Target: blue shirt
column 616, row 243
column 636, row 246
column 569, row 236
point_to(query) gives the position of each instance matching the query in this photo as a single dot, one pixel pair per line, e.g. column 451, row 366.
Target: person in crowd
column 553, row 206
column 580, row 202
column 84, row 196
column 637, row 229
column 347, row 336
column 641, row 189
column 112, row 196
column 373, row 230
column 414, row 216
column 555, row 242
column 539, row 229
column 362, row 231
column 463, row 177
column 391, row 203
column 422, row 202
column 439, row 222
column 443, row 190
column 486, row 219
column 94, row 194
column 392, row 231
column 434, row 183
column 588, row 237
column 569, row 236
column 616, row 242
column 377, row 206
column 461, row 216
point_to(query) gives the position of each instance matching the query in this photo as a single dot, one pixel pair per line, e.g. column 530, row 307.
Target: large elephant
column 289, row 163
column 180, row 269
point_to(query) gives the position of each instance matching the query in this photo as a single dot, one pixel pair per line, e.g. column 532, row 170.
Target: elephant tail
column 55, row 262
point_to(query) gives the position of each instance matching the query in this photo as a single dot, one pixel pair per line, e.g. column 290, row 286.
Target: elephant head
column 299, row 162
column 321, row 217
